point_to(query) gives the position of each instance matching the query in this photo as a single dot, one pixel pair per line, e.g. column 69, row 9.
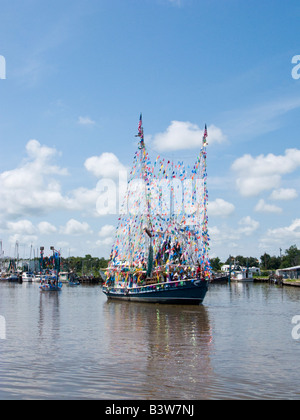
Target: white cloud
column 84, row 199
column 23, row 239
column 107, row 236
column 22, row 227
column 105, row 241
column 32, row 188
column 46, row 228
column 264, row 207
column 220, row 207
column 291, row 232
column 282, row 236
column 263, row 173
column 24, row 231
column 87, row 121
column 230, row 237
column 248, row 225
column 107, row 230
column 64, row 244
column 185, row 135
column 224, row 236
column 284, row 194
column 106, row 165
column 74, row 227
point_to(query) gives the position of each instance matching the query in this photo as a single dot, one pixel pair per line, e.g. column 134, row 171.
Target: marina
column 77, row 345
column 149, row 193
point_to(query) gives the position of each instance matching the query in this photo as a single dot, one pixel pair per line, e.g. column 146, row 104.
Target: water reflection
column 75, row 344
column 293, row 293
column 171, row 344
column 49, row 315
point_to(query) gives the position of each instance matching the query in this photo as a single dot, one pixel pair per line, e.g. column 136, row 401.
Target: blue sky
column 78, row 73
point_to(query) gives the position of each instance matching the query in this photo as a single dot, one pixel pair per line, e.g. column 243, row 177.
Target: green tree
column 87, row 265
column 265, row 261
column 291, row 257
column 275, row 263
column 216, row 264
column 243, row 261
column 270, row 263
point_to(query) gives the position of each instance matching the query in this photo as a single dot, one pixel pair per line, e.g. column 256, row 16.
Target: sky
column 74, row 77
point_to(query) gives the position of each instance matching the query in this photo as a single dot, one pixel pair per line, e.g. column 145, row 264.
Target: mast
column 41, row 259
column 172, row 194
column 205, row 236
column 148, row 228
column 143, row 157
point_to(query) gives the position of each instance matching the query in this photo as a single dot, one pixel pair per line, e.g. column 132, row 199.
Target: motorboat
column 27, row 277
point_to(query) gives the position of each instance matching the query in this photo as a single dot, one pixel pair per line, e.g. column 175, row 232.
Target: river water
column 76, row 345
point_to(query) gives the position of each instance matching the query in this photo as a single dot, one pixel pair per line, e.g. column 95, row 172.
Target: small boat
column 73, row 283
column 27, row 277
column 64, row 277
column 242, row 276
column 38, row 278
column 160, row 253
column 50, row 284
column 12, row 272
column 220, row 279
column 3, row 276
column 13, row 278
column 69, row 278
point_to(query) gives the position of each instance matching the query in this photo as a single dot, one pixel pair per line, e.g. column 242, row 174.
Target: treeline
column 290, row 258
column 86, row 266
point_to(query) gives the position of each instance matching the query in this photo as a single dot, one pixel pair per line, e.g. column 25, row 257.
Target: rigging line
column 167, row 157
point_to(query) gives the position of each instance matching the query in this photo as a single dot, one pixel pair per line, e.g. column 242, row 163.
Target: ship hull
column 192, row 293
column 50, row 287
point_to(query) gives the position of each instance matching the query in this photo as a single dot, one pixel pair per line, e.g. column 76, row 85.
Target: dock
column 261, row 279
column 295, row 283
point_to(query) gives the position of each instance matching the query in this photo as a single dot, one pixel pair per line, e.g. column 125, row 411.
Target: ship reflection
column 49, row 315
column 171, row 345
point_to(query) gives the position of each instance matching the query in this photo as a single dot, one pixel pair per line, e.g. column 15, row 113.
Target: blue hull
column 50, row 288
column 188, row 293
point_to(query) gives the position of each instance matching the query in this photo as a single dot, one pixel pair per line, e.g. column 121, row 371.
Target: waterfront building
column 292, row 273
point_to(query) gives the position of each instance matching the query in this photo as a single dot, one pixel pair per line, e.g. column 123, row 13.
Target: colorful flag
column 205, row 136
column 141, row 131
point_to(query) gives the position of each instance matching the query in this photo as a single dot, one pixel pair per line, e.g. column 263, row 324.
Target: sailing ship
column 161, row 248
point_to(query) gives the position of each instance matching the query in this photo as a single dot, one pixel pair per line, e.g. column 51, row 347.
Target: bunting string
column 164, row 209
